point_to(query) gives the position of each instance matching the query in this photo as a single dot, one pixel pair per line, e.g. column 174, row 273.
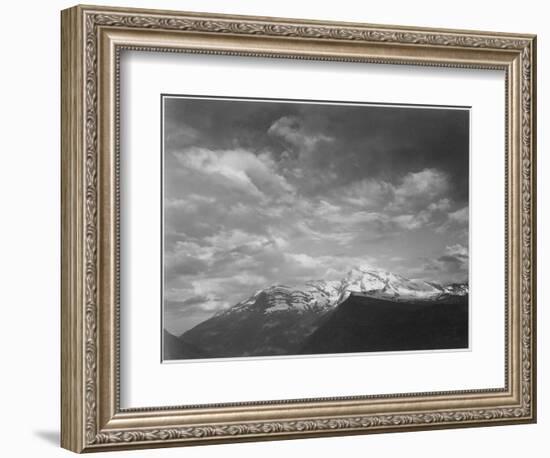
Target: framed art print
column 278, row 228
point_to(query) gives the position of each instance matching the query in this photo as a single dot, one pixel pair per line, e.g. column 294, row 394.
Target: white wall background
column 29, row 241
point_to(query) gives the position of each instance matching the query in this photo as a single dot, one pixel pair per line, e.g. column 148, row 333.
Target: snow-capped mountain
column 279, row 319
column 322, row 295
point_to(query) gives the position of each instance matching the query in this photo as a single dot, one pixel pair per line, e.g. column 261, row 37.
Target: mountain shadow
column 366, row 324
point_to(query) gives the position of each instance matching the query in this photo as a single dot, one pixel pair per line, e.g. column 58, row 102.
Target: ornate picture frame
column 93, row 39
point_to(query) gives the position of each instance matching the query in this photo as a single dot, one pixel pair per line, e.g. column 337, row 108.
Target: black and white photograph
column 301, row 227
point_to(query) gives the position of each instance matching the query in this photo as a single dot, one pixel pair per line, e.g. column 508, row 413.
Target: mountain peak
column 365, row 280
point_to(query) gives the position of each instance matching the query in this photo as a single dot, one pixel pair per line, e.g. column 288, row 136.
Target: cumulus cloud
column 415, row 201
column 181, row 135
column 460, row 216
column 452, row 265
column 368, row 193
column 290, row 130
column 410, row 221
column 190, row 203
column 456, row 222
column 242, row 169
column 420, row 189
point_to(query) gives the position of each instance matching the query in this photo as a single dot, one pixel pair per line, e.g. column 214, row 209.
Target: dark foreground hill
column 175, row 348
column 366, row 324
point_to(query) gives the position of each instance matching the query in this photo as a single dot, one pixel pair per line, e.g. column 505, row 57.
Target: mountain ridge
column 279, row 319
column 368, row 281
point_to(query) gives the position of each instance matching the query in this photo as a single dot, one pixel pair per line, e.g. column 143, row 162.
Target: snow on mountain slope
column 312, row 296
column 387, row 285
column 322, row 295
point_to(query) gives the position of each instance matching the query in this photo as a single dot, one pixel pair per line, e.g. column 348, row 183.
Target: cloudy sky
column 260, row 192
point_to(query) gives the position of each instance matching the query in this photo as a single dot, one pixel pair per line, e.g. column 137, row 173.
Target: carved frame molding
column 91, row 417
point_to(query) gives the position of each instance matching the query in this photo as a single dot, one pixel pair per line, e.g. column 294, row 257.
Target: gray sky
column 259, row 192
